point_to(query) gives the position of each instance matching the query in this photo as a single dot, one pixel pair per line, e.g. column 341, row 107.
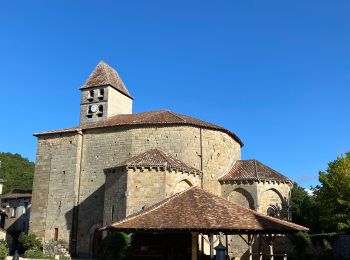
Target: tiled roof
column 157, row 158
column 104, row 75
column 16, row 194
column 197, row 210
column 252, row 170
column 152, row 118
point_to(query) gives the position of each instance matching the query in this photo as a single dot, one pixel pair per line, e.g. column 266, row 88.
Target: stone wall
column 53, row 200
column 55, row 185
column 118, row 103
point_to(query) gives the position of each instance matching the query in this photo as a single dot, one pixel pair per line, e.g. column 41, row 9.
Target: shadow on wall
column 84, row 221
column 14, row 227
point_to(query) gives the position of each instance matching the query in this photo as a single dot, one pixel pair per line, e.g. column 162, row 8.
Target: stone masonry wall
column 104, row 148
column 115, row 199
column 55, row 185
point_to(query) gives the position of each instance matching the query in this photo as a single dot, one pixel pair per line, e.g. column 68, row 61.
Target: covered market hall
column 195, row 224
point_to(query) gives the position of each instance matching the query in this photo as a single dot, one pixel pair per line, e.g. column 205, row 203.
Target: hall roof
column 104, row 75
column 151, row 118
column 157, row 158
column 198, row 210
column 253, row 170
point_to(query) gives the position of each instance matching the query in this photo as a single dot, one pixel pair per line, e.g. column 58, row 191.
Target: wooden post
column 250, row 250
column 211, row 238
column 194, row 246
column 227, row 256
column 271, row 250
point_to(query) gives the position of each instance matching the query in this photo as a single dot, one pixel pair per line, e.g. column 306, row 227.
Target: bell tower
column 103, row 95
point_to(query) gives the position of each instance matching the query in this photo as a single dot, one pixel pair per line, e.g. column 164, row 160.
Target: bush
column 3, row 250
column 34, row 253
column 113, row 246
column 301, row 242
column 29, row 242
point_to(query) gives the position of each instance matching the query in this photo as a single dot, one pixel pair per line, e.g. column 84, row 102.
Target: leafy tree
column 333, row 195
column 17, row 171
column 304, row 208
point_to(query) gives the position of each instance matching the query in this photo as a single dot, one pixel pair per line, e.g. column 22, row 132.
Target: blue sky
column 276, row 73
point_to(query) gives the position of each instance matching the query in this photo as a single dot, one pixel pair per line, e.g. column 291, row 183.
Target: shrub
column 3, row 250
column 29, row 242
column 301, row 242
column 113, row 246
column 34, row 253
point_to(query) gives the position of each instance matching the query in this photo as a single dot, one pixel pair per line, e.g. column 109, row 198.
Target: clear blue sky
column 277, row 73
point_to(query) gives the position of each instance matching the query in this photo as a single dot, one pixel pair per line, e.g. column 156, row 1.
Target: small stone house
column 115, row 162
column 16, row 204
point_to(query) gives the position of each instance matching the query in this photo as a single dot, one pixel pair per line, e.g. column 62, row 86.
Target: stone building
column 115, row 163
column 16, row 205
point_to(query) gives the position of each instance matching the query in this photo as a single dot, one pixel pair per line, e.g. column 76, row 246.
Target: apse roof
column 151, row 118
column 157, row 158
column 198, row 210
column 252, row 170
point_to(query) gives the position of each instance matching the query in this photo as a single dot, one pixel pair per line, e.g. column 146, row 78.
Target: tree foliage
column 304, row 208
column 29, row 242
column 333, row 195
column 17, row 171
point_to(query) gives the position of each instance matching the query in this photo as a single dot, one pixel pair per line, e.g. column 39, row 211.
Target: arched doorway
column 95, row 242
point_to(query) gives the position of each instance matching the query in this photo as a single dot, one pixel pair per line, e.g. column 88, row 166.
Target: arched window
column 101, row 94
column 91, row 95
column 89, row 112
column 100, row 111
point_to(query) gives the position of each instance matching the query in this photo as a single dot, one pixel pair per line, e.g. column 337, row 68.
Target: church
column 116, row 163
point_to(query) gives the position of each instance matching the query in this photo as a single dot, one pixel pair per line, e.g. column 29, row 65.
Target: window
column 100, row 111
column 91, row 95
column 55, row 234
column 101, row 94
column 13, row 212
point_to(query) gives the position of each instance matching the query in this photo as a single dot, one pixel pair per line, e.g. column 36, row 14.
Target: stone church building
column 114, row 163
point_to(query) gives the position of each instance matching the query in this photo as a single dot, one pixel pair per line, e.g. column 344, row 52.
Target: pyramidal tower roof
column 103, row 75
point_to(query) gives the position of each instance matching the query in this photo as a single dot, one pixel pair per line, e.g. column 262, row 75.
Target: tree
column 304, row 208
column 333, row 195
column 17, row 171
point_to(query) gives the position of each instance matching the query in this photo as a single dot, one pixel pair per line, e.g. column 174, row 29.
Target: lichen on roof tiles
column 252, row 170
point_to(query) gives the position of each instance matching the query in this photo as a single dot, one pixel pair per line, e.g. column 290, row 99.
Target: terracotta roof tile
column 252, row 170
column 104, row 75
column 151, row 118
column 198, row 210
column 157, row 158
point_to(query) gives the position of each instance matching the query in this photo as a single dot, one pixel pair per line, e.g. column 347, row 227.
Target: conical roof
column 157, row 158
column 103, row 75
column 246, row 170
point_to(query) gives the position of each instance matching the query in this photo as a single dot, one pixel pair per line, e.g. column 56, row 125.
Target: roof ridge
column 149, row 210
column 176, row 115
column 256, row 169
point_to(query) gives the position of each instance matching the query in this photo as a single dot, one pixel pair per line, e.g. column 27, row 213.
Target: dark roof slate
column 104, row 75
column 252, row 170
column 197, row 210
column 157, row 158
column 151, row 118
